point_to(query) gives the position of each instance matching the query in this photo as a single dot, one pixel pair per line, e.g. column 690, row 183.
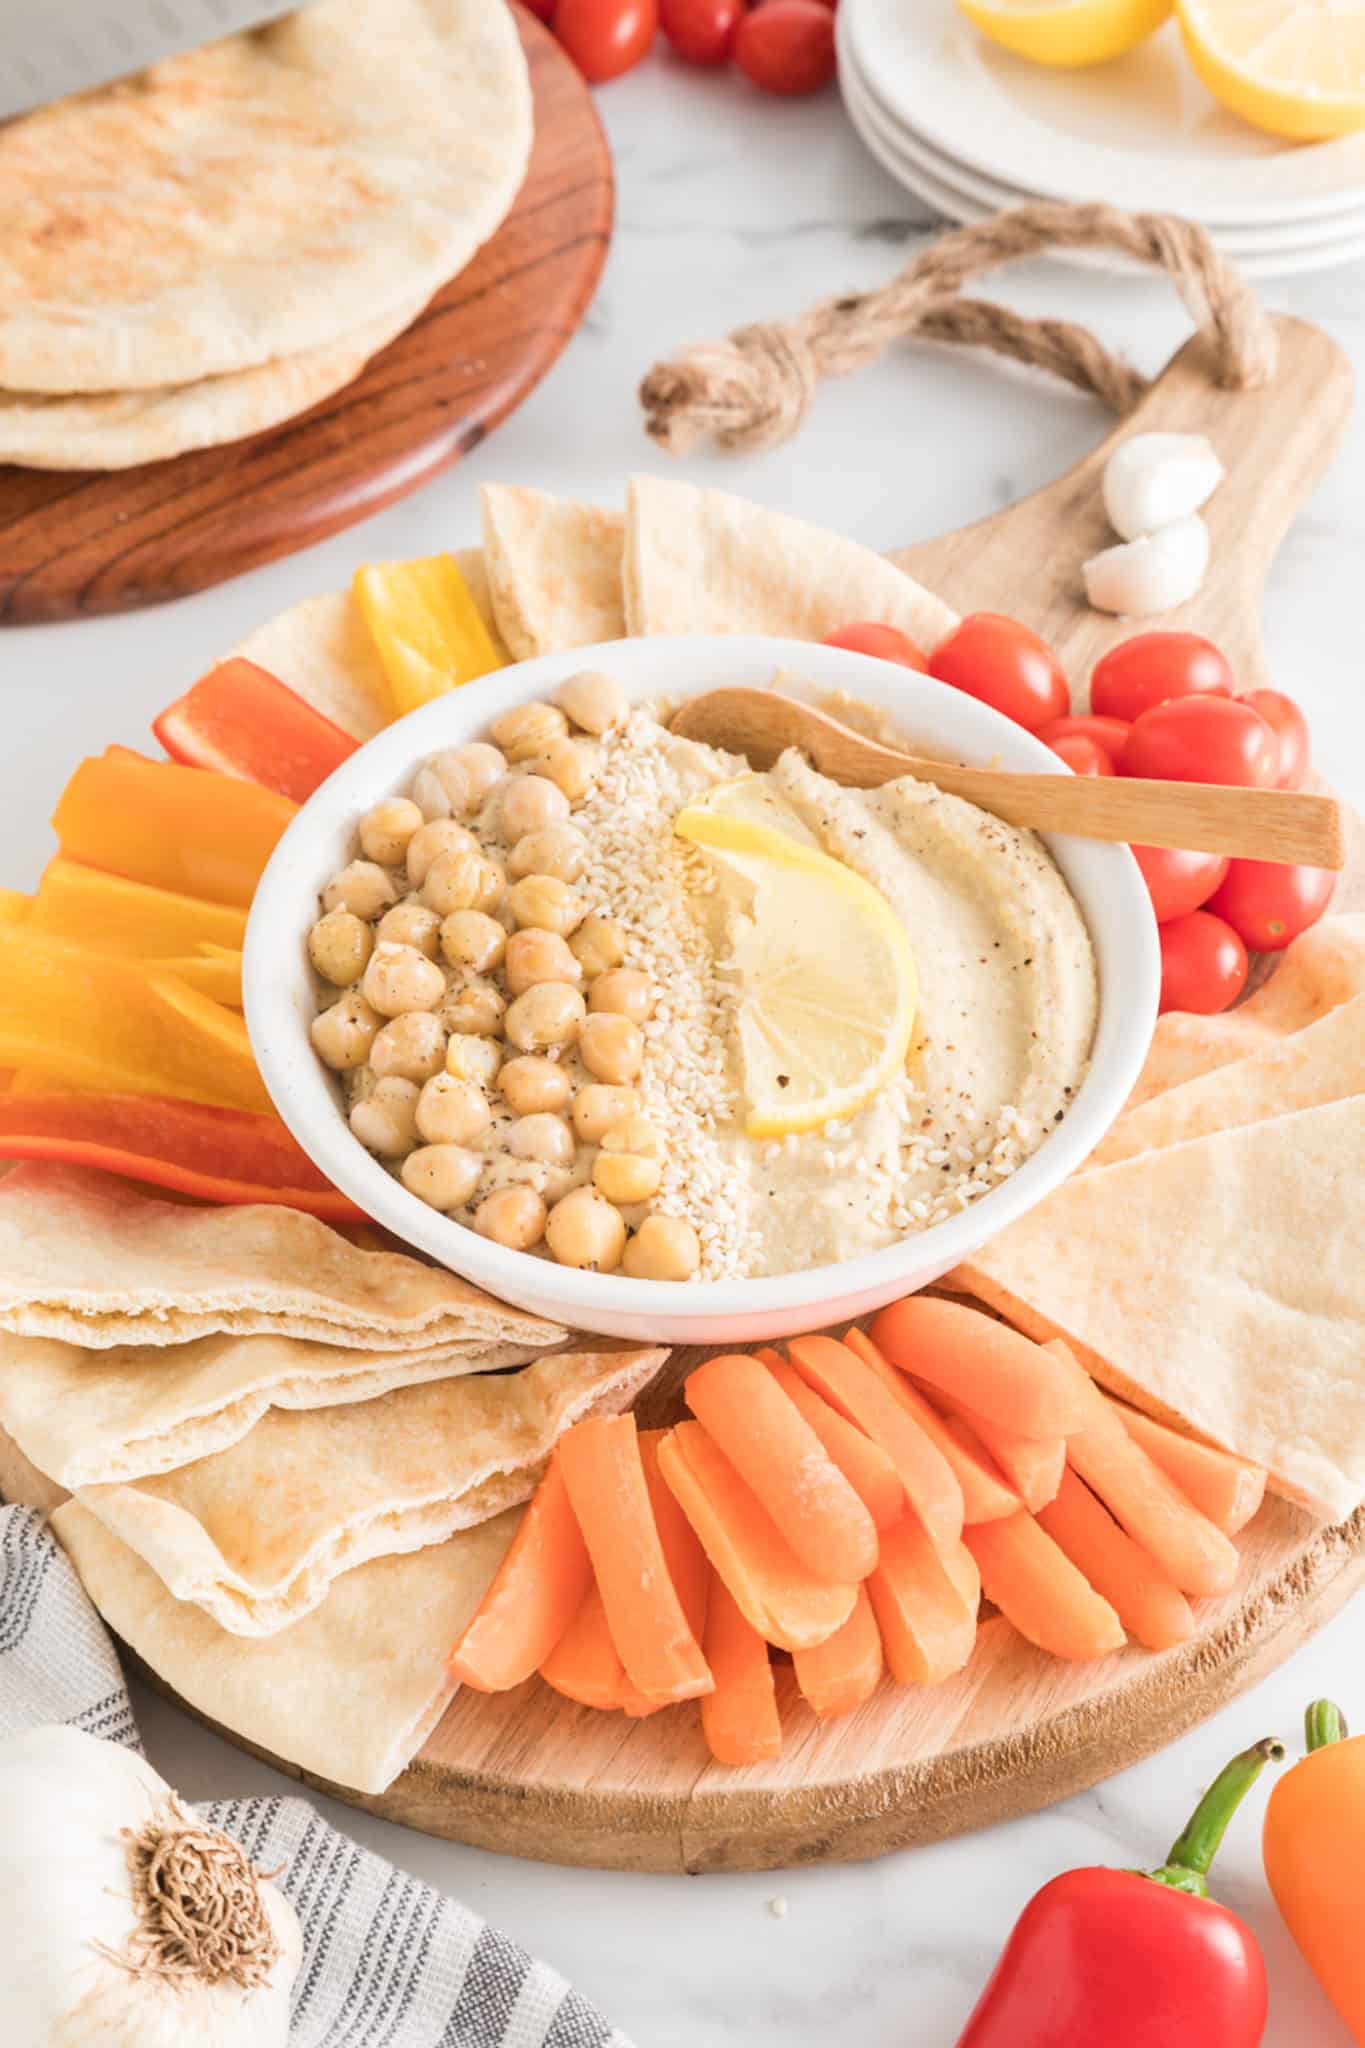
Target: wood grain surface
column 74, row 544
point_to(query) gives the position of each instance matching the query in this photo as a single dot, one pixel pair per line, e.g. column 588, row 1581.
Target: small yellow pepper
column 1313, row 1848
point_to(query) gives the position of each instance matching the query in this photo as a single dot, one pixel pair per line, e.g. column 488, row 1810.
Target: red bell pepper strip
column 220, row 1155
column 240, row 720
column 1129, row 1959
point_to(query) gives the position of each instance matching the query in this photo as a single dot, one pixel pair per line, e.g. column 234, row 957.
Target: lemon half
column 1294, row 67
column 1067, row 32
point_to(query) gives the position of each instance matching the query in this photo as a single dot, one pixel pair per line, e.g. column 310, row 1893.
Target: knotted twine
column 755, row 388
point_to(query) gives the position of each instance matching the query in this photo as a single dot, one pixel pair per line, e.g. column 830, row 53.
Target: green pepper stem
column 1186, row 1868
column 1324, row 1723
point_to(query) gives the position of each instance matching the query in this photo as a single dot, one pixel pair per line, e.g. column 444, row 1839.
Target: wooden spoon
column 1259, row 824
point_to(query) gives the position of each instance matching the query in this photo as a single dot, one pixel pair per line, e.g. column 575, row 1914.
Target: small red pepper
column 240, row 720
column 1132, row 1959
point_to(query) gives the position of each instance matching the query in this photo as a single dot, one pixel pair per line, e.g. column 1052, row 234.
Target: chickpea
column 511, row 1216
column 663, row 1248
column 548, row 1014
column 623, row 992
column 597, row 1108
column 533, row 957
column 361, row 888
column 598, row 945
column 438, row 836
column 542, row 1137
column 594, row 700
column 386, row 829
column 526, row 728
column 480, row 764
column 431, row 796
column 634, row 1134
column 476, row 1009
column 550, row 905
column 474, row 1059
column 625, row 1177
column 584, row 1230
column 443, row 1175
column 449, row 770
column 529, row 803
column 339, row 947
column 451, row 1111
column 471, row 938
column 410, row 924
column 558, row 850
column 529, row 1085
column 412, row 1046
column 567, row 764
column 343, row 1035
column 399, row 978
column 611, row 1047
column 462, row 881
column 384, row 1120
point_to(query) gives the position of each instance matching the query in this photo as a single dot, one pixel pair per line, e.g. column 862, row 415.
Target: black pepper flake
column 784, row 1080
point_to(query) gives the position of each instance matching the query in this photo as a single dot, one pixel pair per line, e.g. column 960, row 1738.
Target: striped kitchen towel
column 387, row 1962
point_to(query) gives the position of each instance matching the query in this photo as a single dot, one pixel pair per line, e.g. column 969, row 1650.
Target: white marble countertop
column 734, row 207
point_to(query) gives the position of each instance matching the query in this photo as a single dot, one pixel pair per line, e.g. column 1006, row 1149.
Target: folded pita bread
column 92, row 1416
column 351, row 1692
column 554, row 570
column 87, row 1259
column 700, row 561
column 22, row 1484
column 1219, row 1284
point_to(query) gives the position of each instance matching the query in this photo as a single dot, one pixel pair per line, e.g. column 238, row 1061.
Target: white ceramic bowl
column 280, row 1002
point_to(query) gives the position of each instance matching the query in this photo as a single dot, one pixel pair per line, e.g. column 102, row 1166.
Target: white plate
column 1140, row 133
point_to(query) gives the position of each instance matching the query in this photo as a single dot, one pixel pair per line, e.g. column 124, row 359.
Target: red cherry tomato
column 701, row 31
column 1151, row 668
column 1109, row 733
column 1005, row 665
column 606, row 37
column 1203, row 964
column 543, row 10
column 888, row 643
column 1083, row 756
column 787, row 46
column 1284, row 716
column 1178, row 882
column 1203, row 739
column 1268, row 905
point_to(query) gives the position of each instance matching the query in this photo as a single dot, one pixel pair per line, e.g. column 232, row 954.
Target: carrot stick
column 600, row 1460
column 925, row 1600
column 739, row 1719
column 583, row 1664
column 536, row 1592
column 684, row 1556
column 786, row 1603
column 772, row 1446
column 985, row 1495
column 864, row 1464
column 1033, row 1465
column 844, row 1378
column 1226, row 1489
column 1137, row 1589
column 844, row 1672
column 987, row 1366
column 1190, row 1550
column 1040, row 1591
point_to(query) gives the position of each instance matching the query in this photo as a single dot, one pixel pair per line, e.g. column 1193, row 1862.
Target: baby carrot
column 925, row 1600
column 1225, row 1488
column 536, row 1592
column 984, row 1364
column 1040, row 1591
column 864, row 1464
column 684, row 1556
column 846, row 1379
column 985, row 1495
column 1137, row 1589
column 584, row 1664
column 1033, row 1465
column 739, row 1719
column 841, row 1674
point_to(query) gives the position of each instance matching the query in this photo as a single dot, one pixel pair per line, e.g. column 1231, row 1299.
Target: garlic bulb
column 1150, row 575
column 124, row 1921
column 1151, row 480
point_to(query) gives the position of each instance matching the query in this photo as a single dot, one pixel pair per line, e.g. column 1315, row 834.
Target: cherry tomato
column 1083, row 756
column 1005, row 665
column 1203, row 964
column 1203, row 739
column 888, row 643
column 1284, row 715
column 1151, row 668
column 1109, row 733
column 787, row 46
column 606, row 37
column 543, row 10
column 1178, row 882
column 1267, row 905
column 701, row 31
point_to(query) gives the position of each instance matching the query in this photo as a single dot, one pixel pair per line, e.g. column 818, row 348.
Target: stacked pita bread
column 206, row 249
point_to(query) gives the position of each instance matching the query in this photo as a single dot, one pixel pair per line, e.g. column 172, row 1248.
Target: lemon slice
column 827, row 983
column 751, row 800
column 1294, row 67
column 1067, row 32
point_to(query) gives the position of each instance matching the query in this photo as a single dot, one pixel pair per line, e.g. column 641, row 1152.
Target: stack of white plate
column 970, row 129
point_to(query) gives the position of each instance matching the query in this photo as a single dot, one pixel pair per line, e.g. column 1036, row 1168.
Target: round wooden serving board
column 78, row 543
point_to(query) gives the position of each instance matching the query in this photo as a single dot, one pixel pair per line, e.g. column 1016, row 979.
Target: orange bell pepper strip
column 109, row 914
column 1313, row 1848
column 1227, row 1489
column 220, row 1155
column 1040, row 1591
column 584, row 1664
column 739, row 1718
column 864, row 1464
column 839, row 1676
column 1149, row 1606
column 536, row 1593
column 240, row 720
column 176, row 828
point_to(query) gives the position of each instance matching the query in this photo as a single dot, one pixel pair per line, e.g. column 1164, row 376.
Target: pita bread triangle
column 553, row 570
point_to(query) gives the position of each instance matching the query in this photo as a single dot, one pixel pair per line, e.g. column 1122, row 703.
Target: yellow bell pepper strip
column 183, row 829
column 15, row 907
column 109, row 914
column 218, row 1155
column 428, row 631
column 241, row 720
column 1313, row 1848
column 218, row 976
